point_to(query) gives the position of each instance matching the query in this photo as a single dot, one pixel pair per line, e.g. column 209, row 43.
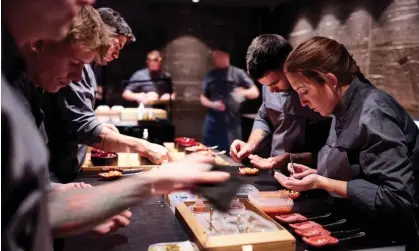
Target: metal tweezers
column 292, row 165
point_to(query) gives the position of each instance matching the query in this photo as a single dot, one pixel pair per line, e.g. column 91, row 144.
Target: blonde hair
column 89, row 31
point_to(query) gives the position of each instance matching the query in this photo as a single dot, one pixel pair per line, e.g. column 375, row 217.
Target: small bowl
column 104, row 159
column 205, row 208
column 183, row 142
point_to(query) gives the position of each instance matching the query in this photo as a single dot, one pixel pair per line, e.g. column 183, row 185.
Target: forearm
column 337, row 187
column 54, row 185
column 251, row 93
column 79, row 210
column 256, row 137
column 115, row 142
column 206, row 102
column 129, row 95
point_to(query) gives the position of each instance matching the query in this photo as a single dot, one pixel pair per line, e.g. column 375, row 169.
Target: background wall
column 185, row 34
column 383, row 36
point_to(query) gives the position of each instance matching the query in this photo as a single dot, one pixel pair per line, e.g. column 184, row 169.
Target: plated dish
column 111, row 175
column 248, row 171
column 291, row 194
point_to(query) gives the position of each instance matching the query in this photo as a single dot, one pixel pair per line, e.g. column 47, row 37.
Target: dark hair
column 318, row 56
column 113, row 19
column 267, row 52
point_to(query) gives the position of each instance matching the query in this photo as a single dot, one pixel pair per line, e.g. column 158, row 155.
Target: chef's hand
column 240, row 91
column 183, row 175
column 269, row 163
column 165, row 96
column 240, row 150
column 218, row 106
column 300, row 171
column 141, row 97
column 157, row 154
column 99, row 92
column 307, row 183
column 152, row 96
column 114, row 223
column 111, row 127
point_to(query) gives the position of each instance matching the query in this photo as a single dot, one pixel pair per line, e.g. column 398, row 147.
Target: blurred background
column 383, row 36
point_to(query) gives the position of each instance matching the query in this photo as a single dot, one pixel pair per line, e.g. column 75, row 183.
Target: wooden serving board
column 132, row 162
column 177, row 156
column 262, row 241
column 126, row 161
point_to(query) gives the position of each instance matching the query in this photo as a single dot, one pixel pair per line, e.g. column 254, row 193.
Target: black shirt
column 382, row 145
column 31, row 98
column 71, row 124
column 159, row 82
column 24, row 185
column 24, row 161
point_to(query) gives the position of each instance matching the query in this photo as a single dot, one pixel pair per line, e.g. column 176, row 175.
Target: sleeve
column 244, row 80
column 204, row 86
column 384, row 160
column 76, row 103
column 167, row 86
column 140, row 87
column 261, row 120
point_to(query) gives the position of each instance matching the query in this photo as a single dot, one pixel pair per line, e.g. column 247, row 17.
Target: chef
column 378, row 137
column 155, row 82
column 281, row 119
column 223, row 89
column 71, row 122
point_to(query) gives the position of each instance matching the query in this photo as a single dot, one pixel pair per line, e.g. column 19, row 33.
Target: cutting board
column 132, row 162
column 126, row 161
column 219, row 159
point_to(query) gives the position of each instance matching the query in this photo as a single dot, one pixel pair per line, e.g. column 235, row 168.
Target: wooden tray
column 263, row 241
column 126, row 161
column 177, row 156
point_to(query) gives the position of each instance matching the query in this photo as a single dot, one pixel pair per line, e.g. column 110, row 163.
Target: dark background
column 383, row 36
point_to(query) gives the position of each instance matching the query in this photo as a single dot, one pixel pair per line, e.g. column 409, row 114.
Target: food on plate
column 174, row 246
column 111, row 168
column 111, row 175
column 291, row 194
column 207, row 153
column 102, row 158
column 305, row 225
column 314, row 231
column 321, row 240
column 290, row 218
column 248, row 171
column 167, row 247
column 195, row 148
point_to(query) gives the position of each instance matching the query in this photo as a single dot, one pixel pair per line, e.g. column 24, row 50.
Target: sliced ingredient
column 290, row 218
column 305, row 225
column 321, row 240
